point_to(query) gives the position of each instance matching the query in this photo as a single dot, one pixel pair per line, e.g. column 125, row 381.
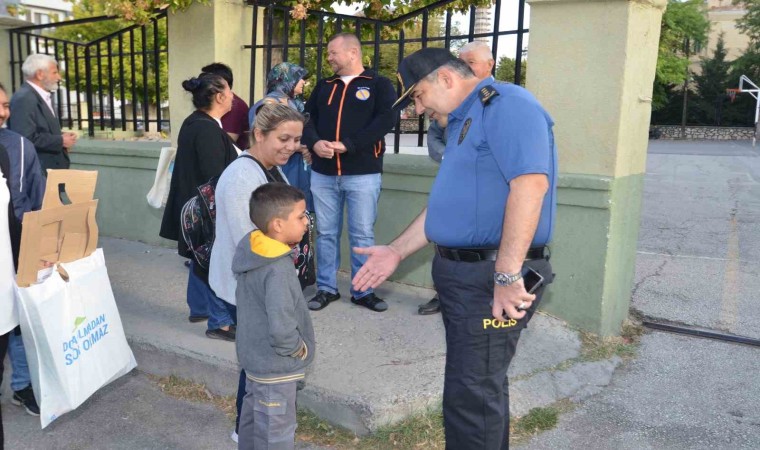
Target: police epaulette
column 487, row 93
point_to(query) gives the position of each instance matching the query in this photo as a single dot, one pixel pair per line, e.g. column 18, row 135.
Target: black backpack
column 198, row 219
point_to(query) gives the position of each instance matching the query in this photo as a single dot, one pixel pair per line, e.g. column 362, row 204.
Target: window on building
column 41, row 18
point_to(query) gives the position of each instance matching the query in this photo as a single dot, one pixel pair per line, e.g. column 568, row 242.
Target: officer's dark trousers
column 478, row 352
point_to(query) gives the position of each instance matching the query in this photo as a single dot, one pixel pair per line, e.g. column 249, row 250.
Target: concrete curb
column 576, row 383
column 371, row 369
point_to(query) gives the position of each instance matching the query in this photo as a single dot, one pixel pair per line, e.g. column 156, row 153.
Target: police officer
column 479, row 57
column 490, row 215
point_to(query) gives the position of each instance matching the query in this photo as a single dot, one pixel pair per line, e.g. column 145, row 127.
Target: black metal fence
column 384, row 42
column 115, row 81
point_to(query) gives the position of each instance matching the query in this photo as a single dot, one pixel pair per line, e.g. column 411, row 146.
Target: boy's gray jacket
column 273, row 319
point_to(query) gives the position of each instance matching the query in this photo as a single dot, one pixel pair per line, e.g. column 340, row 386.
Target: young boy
column 275, row 337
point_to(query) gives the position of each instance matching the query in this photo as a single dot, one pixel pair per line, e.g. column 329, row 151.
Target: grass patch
column 421, row 431
column 595, row 348
column 632, row 332
column 183, row 389
column 316, row 431
column 538, row 420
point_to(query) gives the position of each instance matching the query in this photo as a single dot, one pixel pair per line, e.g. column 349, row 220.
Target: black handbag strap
column 271, row 175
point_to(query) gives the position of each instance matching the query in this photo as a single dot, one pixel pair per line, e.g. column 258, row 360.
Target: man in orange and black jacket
column 350, row 116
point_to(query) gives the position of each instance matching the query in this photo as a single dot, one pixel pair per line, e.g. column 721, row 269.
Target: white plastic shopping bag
column 160, row 191
column 73, row 335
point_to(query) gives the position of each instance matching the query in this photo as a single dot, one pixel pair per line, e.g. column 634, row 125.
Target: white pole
column 753, row 92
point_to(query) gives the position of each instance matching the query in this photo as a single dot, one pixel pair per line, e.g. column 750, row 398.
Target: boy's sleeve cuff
column 302, row 351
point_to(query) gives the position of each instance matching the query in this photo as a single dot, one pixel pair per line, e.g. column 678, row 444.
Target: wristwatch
column 505, row 279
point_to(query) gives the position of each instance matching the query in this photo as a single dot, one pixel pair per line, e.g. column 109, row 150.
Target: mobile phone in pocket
column 531, row 279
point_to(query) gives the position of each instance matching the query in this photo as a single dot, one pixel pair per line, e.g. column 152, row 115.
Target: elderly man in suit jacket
column 34, row 116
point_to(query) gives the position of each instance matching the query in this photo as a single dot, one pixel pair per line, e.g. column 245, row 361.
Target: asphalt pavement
column 130, row 413
column 699, row 244
column 697, row 267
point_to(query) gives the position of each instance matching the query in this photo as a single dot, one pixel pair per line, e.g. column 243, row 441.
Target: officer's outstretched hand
column 382, row 262
column 512, row 300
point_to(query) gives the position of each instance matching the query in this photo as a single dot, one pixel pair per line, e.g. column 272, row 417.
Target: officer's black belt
column 483, row 254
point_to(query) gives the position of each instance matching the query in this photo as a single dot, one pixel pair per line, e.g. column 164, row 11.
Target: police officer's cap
column 417, row 66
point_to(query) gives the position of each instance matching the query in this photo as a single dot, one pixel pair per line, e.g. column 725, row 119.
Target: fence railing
column 384, row 42
column 114, row 81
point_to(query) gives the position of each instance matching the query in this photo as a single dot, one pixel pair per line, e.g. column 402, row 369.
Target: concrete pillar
column 6, row 23
column 203, row 34
column 591, row 64
column 5, row 57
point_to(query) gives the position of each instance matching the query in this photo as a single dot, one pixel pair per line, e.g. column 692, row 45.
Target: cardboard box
column 59, row 232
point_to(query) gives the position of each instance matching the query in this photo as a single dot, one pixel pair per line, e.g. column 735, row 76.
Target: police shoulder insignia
column 465, row 129
column 487, row 93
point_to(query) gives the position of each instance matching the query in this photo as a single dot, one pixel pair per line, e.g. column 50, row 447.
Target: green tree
column 505, row 70
column 749, row 63
column 88, row 32
column 749, row 24
column 684, row 29
column 140, row 11
column 742, row 109
column 389, row 40
column 710, row 85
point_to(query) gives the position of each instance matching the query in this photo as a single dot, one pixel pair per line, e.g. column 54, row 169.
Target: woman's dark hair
column 223, row 70
column 203, row 88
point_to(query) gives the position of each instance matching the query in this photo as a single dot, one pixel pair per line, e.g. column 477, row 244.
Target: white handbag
column 73, row 335
column 160, row 191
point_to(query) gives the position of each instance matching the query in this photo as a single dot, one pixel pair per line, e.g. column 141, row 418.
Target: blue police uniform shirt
column 489, row 144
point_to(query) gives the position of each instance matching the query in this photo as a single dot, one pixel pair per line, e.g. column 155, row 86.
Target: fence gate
column 114, row 81
column 384, row 42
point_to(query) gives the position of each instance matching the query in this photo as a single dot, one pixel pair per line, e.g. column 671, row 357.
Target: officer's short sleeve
column 518, row 134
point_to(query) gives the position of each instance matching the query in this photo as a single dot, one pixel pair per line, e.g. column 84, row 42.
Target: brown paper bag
column 58, row 232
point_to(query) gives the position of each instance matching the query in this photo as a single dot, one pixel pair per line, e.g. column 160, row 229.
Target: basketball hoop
column 732, row 94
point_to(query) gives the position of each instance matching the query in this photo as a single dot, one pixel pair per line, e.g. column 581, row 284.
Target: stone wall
column 411, row 125
column 701, row 133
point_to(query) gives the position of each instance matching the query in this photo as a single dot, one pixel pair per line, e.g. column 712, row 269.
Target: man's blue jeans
column 360, row 194
column 203, row 301
column 20, row 377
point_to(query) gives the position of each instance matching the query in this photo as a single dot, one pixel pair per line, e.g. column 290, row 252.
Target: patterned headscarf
column 283, row 78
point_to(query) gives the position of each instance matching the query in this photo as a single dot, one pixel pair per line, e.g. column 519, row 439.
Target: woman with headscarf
column 285, row 84
column 203, row 151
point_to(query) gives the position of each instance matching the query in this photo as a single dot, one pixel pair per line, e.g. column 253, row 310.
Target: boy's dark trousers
column 268, row 416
